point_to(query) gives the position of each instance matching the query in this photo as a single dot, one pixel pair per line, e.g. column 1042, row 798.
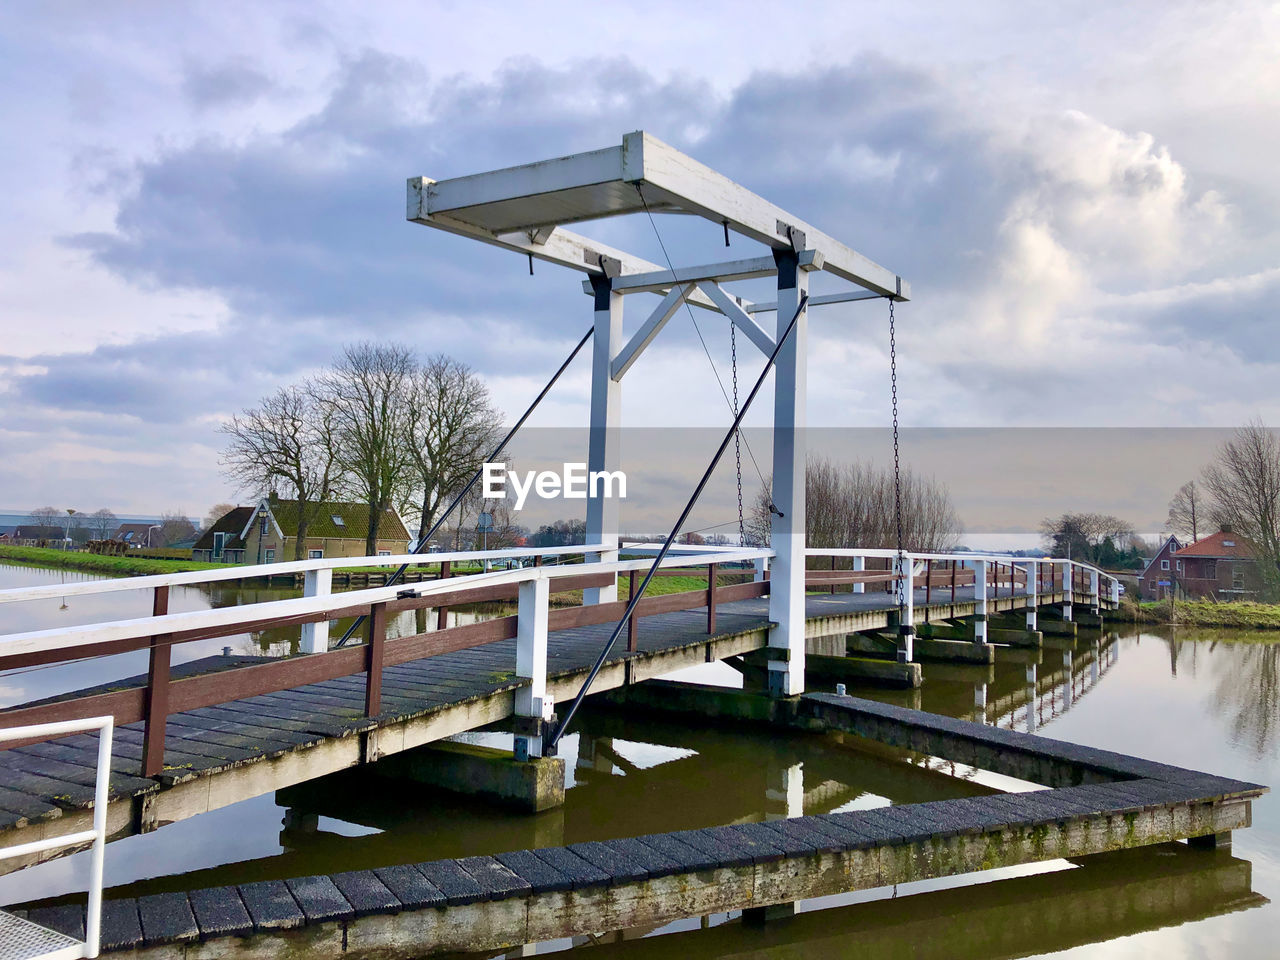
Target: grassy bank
column 94, row 563
column 1241, row 615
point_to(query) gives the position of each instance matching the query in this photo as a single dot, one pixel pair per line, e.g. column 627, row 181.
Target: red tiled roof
column 1216, row 546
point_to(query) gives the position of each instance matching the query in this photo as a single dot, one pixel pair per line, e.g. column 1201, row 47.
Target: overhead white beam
column 670, row 177
column 849, row 296
column 730, row 308
column 748, row 269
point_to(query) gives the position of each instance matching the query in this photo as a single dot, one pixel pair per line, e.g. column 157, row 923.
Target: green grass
column 121, row 566
column 1238, row 614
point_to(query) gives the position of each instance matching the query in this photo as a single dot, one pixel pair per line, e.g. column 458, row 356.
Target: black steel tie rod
column 423, row 540
column 675, row 532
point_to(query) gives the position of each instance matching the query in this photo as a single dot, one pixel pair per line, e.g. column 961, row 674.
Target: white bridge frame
column 525, row 209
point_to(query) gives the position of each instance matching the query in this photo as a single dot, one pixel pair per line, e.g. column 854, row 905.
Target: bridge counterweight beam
column 603, row 452
column 787, row 523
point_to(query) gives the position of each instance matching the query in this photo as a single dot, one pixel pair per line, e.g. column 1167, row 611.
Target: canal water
column 1203, row 699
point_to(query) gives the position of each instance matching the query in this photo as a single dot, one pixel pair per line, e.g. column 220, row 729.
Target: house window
column 1211, row 569
column 384, row 553
column 1228, row 543
column 337, row 520
column 270, row 556
column 1179, row 566
column 219, row 543
column 1237, row 580
column 1164, row 564
column 315, row 554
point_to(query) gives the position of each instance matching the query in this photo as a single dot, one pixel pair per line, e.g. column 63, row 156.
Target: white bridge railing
column 97, row 835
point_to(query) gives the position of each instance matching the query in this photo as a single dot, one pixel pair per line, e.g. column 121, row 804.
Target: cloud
column 1057, row 259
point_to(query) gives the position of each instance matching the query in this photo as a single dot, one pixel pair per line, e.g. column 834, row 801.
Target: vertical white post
column 603, row 452
column 906, row 569
column 1095, row 595
column 93, row 911
column 787, row 525
column 1066, row 590
column 980, row 601
column 315, row 636
column 1115, row 592
column 1033, row 591
column 859, row 564
column 531, row 660
column 761, row 565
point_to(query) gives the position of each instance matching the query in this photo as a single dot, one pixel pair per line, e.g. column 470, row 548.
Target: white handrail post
column 1033, row 591
column 859, row 565
column 1095, row 594
column 980, row 601
column 761, row 567
column 906, row 570
column 1115, row 591
column 532, row 707
column 93, row 912
column 315, row 636
column 1067, row 593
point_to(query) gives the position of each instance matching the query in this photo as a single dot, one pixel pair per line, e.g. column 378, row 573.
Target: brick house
column 267, row 533
column 1220, row 567
column 1157, row 577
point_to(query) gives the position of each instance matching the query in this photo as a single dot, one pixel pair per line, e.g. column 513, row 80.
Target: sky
column 207, row 202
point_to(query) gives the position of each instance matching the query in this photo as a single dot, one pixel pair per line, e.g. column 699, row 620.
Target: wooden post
column 157, row 698
column 442, row 613
column 711, row 598
column 375, row 637
column 953, row 582
column 832, row 588
column 928, row 581
column 633, row 625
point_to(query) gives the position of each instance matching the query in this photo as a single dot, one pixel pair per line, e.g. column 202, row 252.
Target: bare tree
column 285, row 446
column 103, row 523
column 369, row 396
column 216, row 513
column 452, row 425
column 1096, row 537
column 46, row 517
column 1243, row 486
column 852, row 505
column 1186, row 510
column 175, row 527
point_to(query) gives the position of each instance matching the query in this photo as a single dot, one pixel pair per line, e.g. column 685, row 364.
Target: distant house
column 1157, row 579
column 37, row 534
column 1221, row 567
column 135, row 534
column 268, row 532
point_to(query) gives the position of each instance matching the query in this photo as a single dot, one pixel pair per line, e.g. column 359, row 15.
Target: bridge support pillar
column 787, row 521
column 533, row 706
column 315, row 636
column 603, row 453
column 1033, row 590
column 980, row 601
column 906, row 570
column 1066, row 590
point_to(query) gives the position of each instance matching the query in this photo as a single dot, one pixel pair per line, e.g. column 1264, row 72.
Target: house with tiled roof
column 268, row 533
column 1223, row 566
column 138, row 534
column 1158, row 577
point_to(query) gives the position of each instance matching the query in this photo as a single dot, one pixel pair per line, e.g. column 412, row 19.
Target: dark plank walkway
column 1163, row 801
column 40, row 781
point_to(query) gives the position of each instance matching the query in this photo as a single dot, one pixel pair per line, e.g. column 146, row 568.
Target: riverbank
column 98, row 563
column 1241, row 615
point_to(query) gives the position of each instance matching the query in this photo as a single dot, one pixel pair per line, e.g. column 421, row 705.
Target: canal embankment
column 1237, row 615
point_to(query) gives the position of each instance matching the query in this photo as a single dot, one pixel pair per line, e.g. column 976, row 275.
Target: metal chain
column 897, row 461
column 737, row 434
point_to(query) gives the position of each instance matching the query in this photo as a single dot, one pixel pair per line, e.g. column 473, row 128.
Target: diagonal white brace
column 730, row 308
column 629, row 354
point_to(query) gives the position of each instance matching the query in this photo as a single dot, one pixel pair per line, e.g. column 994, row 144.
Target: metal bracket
column 610, row 266
column 794, row 235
